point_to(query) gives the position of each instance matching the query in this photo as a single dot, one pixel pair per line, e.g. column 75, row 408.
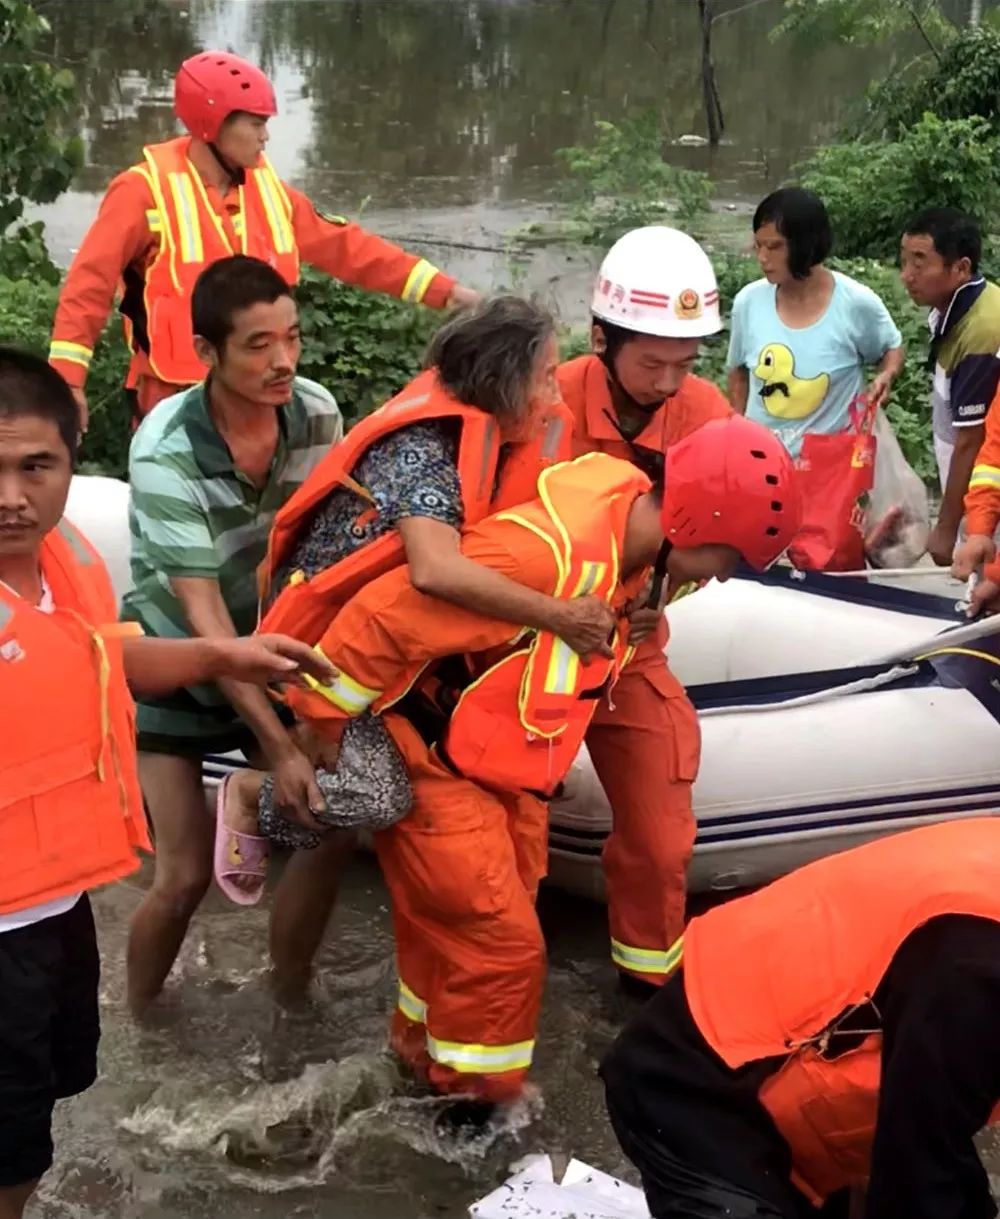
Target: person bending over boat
column 196, row 199
column 836, row 1028
column 488, row 720
column 72, row 810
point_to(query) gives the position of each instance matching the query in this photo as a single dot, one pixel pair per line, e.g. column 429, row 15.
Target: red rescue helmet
column 213, row 85
column 732, row 483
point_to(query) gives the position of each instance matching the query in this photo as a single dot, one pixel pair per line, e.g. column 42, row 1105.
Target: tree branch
column 911, row 9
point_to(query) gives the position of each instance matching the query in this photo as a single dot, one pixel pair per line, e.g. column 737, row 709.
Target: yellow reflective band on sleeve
column 186, row 207
column 564, row 663
column 344, row 692
column 277, row 217
column 481, row 1059
column 418, row 281
column 647, row 960
column 153, row 220
column 412, row 1007
column 985, row 476
column 74, row 353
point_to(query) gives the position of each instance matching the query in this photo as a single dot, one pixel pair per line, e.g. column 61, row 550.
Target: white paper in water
column 583, row 1193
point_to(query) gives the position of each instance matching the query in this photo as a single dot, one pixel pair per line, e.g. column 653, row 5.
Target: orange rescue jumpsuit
column 123, row 242
column 982, row 500
column 463, row 868
column 646, row 745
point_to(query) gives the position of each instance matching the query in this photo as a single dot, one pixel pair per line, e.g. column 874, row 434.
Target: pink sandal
column 237, row 854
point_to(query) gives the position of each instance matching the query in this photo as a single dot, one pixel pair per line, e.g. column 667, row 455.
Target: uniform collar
column 959, row 305
column 601, row 411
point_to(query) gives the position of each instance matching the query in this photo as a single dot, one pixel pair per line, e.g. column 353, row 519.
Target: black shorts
column 49, row 1030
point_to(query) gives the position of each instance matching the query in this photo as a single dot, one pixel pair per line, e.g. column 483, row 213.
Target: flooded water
column 440, row 120
column 226, row 1105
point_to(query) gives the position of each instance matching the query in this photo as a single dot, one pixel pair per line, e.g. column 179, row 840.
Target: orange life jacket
column 71, row 813
column 522, row 722
column 304, row 608
column 192, row 236
column 775, row 973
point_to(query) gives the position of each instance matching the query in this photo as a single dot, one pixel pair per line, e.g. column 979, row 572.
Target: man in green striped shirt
column 209, row 469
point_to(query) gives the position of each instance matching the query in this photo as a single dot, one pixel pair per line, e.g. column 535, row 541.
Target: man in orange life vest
column 196, row 199
column 487, row 741
column 654, row 300
column 72, row 815
column 836, row 1028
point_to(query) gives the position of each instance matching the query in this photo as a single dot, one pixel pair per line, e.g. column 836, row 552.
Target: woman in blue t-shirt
column 801, row 337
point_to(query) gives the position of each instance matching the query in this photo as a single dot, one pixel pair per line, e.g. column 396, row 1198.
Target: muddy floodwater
column 438, row 122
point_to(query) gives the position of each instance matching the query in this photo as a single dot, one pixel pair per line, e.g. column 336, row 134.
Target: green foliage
column 622, row 182
column 964, row 82
column 862, row 21
column 361, row 346
column 36, row 162
column 872, row 188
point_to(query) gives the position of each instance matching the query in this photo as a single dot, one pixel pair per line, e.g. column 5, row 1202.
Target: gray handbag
column 368, row 789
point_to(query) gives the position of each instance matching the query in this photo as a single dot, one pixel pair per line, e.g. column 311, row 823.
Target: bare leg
column 14, row 1198
column 175, row 797
column 303, row 903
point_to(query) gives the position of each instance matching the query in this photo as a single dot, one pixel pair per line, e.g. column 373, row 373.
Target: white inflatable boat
column 822, row 726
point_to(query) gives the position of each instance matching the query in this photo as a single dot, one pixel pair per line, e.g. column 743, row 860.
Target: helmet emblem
column 688, row 304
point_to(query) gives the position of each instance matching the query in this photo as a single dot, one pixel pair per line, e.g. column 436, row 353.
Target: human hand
column 586, row 623
column 976, row 550
column 941, row 544
column 463, row 298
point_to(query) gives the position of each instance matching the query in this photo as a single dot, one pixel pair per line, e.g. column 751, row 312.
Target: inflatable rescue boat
column 832, row 711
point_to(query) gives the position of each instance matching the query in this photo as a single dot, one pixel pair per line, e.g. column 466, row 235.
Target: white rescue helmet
column 658, row 281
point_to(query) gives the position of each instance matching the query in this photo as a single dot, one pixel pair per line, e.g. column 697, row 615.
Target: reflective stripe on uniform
column 277, row 217
column 74, row 353
column 564, row 663
column 481, row 1059
column 418, row 281
column 412, row 1007
column 647, row 960
column 985, row 476
column 153, row 220
column 344, row 692
column 186, row 210
column 81, row 551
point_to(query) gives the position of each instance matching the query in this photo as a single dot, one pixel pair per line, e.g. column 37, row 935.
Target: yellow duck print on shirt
column 784, row 394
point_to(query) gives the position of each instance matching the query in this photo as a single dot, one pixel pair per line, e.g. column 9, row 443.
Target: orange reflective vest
column 774, row 973
column 193, row 235
column 522, row 722
column 71, row 814
column 304, row 608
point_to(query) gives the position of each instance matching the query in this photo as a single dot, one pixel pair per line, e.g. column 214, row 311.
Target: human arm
column 352, row 254
column 117, row 238
column 982, row 500
column 738, row 378
column 440, row 569
column 941, row 543
column 877, row 339
column 155, row 667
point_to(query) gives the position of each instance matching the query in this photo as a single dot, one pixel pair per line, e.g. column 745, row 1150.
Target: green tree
column 37, row 161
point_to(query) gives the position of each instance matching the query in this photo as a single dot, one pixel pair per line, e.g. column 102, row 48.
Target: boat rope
column 863, row 685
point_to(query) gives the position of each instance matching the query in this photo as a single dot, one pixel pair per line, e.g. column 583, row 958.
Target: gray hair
column 486, row 356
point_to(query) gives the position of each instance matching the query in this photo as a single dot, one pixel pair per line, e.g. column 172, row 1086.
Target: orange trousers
column 463, row 870
column 646, row 746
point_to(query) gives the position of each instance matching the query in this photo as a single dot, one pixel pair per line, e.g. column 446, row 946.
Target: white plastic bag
column 897, row 515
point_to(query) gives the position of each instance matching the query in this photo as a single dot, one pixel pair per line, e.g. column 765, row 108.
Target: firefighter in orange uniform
column 835, row 1029
column 982, row 516
column 196, row 199
column 654, row 300
column 488, row 738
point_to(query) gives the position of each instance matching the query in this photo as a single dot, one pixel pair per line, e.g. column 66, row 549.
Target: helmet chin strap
column 642, row 407
column 233, row 172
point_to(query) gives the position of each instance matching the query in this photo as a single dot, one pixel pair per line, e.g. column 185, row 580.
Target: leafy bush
column 622, row 182
column 871, row 189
